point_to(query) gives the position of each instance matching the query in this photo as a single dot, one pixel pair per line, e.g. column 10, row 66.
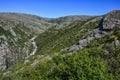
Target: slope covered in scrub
column 84, row 49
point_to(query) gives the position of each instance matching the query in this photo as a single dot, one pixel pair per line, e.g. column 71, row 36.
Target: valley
column 65, row 48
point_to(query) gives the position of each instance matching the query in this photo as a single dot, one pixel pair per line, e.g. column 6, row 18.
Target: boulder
column 83, row 42
column 74, row 48
column 89, row 39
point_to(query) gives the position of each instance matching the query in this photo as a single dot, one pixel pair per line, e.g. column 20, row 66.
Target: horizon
column 59, row 8
column 50, row 17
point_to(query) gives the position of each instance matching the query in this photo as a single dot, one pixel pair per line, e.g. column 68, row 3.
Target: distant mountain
column 66, row 20
column 65, row 48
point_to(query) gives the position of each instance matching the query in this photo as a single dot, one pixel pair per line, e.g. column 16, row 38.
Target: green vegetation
column 100, row 60
column 89, row 63
column 4, row 32
column 53, row 40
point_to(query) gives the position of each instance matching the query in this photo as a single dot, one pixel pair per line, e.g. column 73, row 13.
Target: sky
column 58, row 8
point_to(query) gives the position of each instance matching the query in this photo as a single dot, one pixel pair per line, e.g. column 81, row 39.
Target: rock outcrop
column 110, row 22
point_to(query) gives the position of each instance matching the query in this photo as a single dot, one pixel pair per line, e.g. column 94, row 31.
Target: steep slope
column 16, row 30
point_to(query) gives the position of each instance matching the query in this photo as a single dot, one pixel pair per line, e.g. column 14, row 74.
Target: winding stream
column 34, row 45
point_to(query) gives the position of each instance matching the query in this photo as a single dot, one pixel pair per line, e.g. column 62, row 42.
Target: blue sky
column 57, row 8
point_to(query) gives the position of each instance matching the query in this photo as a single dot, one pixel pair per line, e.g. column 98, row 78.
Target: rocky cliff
column 16, row 31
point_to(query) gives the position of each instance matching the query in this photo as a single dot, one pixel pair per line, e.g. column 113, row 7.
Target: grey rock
column 83, row 42
column 106, row 52
column 98, row 36
column 73, row 48
column 7, row 73
column 89, row 39
column 34, row 63
column 2, row 68
column 26, row 62
column 112, row 20
column 117, row 43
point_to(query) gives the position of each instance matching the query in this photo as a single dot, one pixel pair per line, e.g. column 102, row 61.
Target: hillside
column 17, row 34
column 65, row 48
column 16, row 30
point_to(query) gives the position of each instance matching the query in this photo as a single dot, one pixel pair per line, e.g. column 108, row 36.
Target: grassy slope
column 54, row 40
